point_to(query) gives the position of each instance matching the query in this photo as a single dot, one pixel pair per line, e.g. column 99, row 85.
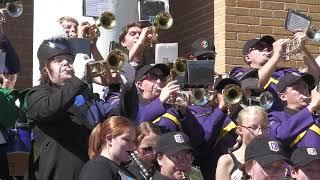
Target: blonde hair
column 115, row 126
column 242, row 116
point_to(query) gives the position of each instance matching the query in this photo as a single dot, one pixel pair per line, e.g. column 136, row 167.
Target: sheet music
column 297, row 22
column 93, row 8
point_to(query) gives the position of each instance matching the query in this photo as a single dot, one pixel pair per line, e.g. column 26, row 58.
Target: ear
column 283, row 97
column 108, row 139
column 139, row 85
column 159, row 159
column 294, row 172
column 239, row 130
column 247, row 59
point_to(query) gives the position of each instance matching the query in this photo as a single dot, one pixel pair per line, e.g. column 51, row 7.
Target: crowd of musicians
column 139, row 129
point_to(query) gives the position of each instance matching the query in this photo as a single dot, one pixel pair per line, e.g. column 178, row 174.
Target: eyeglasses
column 154, row 77
column 256, row 129
column 147, row 150
column 261, row 47
column 179, row 158
column 206, row 57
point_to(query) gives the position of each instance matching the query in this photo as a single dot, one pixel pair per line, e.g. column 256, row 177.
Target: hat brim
column 268, row 159
column 268, row 39
column 221, row 83
column 307, row 78
column 306, row 161
column 174, row 149
column 164, row 68
column 198, row 53
column 145, row 69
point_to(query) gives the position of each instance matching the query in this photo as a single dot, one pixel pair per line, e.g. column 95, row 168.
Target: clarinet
column 134, row 158
column 184, row 176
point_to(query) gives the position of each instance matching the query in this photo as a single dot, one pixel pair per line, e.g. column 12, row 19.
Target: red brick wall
column 20, row 31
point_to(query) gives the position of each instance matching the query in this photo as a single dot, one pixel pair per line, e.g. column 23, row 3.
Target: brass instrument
column 107, row 20
column 313, row 33
column 14, row 9
column 184, row 176
column 180, row 66
column 114, row 61
column 292, row 47
column 200, row 96
column 180, row 98
column 133, row 155
column 162, row 20
column 232, row 94
column 265, row 100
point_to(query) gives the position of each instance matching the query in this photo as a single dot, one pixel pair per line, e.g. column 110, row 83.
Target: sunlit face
column 259, row 54
column 131, row 37
column 294, row 95
column 121, row 145
column 273, row 171
column 252, row 126
column 70, row 28
column 173, row 165
column 148, row 86
column 146, row 148
column 309, row 172
column 60, row 68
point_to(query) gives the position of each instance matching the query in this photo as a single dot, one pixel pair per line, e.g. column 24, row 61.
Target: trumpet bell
column 14, row 9
column 180, row 66
column 107, row 20
column 115, row 60
column 232, row 94
column 266, row 100
column 163, row 20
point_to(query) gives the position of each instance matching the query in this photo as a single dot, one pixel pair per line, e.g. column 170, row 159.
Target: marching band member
column 203, row 49
column 296, row 126
column 63, row 110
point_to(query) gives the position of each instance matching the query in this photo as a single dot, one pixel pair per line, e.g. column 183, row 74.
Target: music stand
column 166, row 53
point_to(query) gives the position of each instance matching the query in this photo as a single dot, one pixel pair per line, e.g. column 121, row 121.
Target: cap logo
column 225, row 75
column 273, row 146
column 51, row 44
column 178, row 138
column 312, row 151
column 204, row 44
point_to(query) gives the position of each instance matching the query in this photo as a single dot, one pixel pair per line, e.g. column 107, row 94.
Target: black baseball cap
column 173, row 142
column 146, row 68
column 51, row 48
column 223, row 80
column 304, row 155
column 264, row 150
column 252, row 42
column 293, row 77
column 202, row 46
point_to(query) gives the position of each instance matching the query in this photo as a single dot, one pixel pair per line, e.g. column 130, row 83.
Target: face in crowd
column 60, row 68
column 131, row 37
column 307, row 172
column 259, row 54
column 295, row 95
column 120, row 146
column 275, row 170
column 70, row 28
column 146, row 148
column 173, row 165
column 148, row 85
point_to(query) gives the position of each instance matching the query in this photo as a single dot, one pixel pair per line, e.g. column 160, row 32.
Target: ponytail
column 237, row 145
column 95, row 143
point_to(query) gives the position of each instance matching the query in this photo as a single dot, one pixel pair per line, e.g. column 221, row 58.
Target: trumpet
column 14, row 9
column 162, row 20
column 265, row 100
column 292, row 47
column 200, row 96
column 107, row 20
column 114, row 61
column 180, row 66
column 180, row 98
column 232, row 94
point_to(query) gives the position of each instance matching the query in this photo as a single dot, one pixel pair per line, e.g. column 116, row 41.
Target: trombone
column 114, row 62
column 162, row 20
column 14, row 9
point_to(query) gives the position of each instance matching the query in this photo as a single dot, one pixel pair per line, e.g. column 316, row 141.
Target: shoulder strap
column 237, row 164
column 171, row 117
column 313, row 128
column 271, row 80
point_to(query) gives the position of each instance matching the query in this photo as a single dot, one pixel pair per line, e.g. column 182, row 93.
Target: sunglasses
column 148, row 149
column 206, row 57
column 154, row 77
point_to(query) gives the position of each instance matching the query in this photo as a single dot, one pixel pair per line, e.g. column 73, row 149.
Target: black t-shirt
column 101, row 168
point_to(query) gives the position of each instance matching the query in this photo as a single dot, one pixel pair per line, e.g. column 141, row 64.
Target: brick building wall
column 20, row 32
column 236, row 21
